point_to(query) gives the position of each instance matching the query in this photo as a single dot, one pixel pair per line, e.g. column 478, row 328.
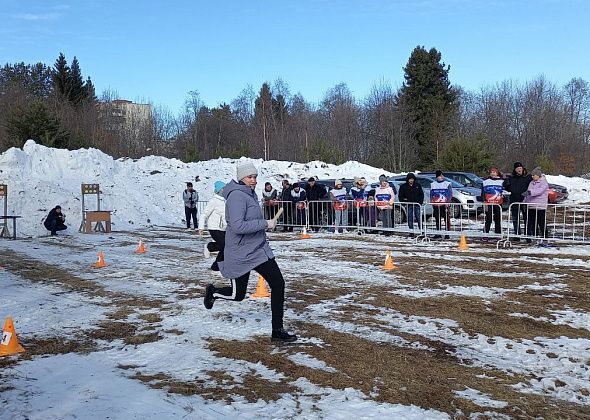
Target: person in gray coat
column 246, row 249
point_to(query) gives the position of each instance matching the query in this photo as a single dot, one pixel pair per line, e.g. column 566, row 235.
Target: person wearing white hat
column 247, row 248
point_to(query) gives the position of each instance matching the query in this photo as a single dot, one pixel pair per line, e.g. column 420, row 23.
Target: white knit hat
column 245, row 169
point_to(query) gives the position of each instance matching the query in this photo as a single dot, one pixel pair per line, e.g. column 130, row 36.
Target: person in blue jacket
column 246, row 249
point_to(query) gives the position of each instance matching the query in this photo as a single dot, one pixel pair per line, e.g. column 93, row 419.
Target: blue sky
column 159, row 50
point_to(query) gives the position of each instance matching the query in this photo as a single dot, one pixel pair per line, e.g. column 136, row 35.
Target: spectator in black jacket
column 517, row 184
column 55, row 220
column 412, row 194
column 288, row 206
column 315, row 192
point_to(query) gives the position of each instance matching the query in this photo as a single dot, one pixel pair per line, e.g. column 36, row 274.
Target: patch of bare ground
column 307, row 290
column 150, row 317
column 126, row 331
column 181, row 249
column 191, row 293
column 120, row 313
column 474, row 315
column 489, row 318
column 48, row 346
column 221, row 386
column 396, row 375
column 39, row 272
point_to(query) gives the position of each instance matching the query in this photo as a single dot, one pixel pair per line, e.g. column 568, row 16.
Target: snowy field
column 480, row 333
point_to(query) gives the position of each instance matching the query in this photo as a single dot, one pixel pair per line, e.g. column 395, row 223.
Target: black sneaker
column 209, row 299
column 282, row 336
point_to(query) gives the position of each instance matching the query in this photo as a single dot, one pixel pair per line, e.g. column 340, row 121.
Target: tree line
column 424, row 124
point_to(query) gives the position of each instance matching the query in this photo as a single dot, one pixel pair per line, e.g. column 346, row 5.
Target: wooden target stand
column 4, row 232
column 98, row 216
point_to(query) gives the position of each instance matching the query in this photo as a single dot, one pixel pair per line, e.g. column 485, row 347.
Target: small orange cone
column 261, row 289
column 141, row 247
column 304, row 234
column 389, row 265
column 463, row 243
column 9, row 344
column 100, row 263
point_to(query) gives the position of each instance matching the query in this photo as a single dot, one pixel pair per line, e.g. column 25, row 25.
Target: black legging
column 493, row 211
column 273, row 276
column 219, row 237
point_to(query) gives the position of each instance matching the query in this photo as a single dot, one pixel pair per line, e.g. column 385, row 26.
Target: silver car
column 469, row 197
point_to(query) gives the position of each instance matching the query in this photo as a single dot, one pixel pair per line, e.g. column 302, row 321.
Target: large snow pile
column 141, row 193
column 148, row 191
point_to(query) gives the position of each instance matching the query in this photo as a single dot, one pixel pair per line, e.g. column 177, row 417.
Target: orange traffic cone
column 463, row 243
column 389, row 265
column 141, row 248
column 304, row 234
column 100, row 263
column 9, row 344
column 261, row 289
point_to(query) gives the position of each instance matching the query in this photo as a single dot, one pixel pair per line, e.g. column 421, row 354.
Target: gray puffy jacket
column 246, row 246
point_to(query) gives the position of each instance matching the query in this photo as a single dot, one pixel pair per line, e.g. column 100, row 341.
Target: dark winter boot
column 209, row 299
column 282, row 336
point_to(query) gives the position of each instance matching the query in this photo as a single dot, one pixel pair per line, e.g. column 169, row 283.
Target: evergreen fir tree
column 89, row 91
column 35, row 122
column 76, row 92
column 431, row 101
column 61, row 75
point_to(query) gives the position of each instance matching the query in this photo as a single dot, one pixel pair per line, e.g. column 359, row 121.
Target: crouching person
column 55, row 221
column 246, row 249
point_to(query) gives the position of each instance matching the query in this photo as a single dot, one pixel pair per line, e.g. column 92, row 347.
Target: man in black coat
column 412, row 194
column 288, row 206
column 315, row 192
column 55, row 221
column 517, row 184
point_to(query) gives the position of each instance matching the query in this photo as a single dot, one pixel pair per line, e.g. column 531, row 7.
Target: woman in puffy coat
column 214, row 217
column 536, row 198
column 247, row 248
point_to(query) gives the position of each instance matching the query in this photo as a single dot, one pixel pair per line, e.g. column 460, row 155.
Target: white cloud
column 37, row 16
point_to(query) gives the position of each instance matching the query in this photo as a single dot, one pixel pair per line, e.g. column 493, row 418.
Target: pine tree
column 35, row 122
column 89, row 91
column 431, row 101
column 76, row 91
column 61, row 75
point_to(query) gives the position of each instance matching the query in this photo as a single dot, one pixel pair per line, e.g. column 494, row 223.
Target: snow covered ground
column 475, row 334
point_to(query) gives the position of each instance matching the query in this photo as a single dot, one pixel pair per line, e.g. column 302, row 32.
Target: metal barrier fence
column 557, row 223
column 295, row 215
column 451, row 220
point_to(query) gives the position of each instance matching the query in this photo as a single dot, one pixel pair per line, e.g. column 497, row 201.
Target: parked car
column 469, row 197
column 467, row 179
column 399, row 212
column 557, row 193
